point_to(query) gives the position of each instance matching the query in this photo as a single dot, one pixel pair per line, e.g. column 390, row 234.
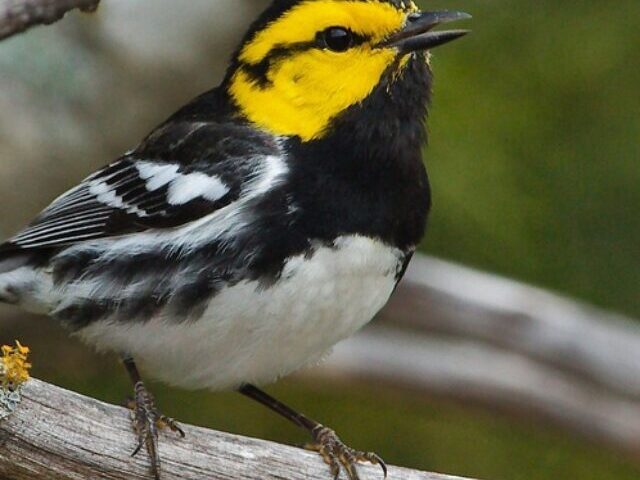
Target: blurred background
column 534, row 159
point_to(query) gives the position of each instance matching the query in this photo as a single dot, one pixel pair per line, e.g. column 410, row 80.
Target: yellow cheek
column 308, row 89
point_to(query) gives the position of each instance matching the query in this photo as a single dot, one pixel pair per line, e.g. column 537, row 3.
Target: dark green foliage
column 535, row 146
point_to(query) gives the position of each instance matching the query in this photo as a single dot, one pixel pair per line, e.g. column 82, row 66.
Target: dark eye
column 337, row 39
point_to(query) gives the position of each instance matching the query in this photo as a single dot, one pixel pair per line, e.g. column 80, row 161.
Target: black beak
column 417, row 34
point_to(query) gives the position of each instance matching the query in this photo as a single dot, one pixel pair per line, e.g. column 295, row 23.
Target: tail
column 13, row 263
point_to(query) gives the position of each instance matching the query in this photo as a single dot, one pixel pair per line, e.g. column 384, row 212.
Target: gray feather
column 10, row 263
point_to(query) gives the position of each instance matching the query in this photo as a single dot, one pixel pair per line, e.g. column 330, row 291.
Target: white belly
column 252, row 333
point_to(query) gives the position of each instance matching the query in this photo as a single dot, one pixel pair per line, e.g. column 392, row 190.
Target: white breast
column 256, row 333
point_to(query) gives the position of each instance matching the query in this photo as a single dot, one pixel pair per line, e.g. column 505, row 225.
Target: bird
column 263, row 222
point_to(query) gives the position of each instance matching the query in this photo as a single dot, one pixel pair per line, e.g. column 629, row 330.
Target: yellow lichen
column 14, row 367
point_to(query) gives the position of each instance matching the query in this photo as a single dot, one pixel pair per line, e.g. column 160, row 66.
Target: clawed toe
column 167, row 422
column 147, row 420
column 339, row 456
column 325, row 441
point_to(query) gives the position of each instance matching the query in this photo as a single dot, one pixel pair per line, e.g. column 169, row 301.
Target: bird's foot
column 147, row 420
column 338, row 455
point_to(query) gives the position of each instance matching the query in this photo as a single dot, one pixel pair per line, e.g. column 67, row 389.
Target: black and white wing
column 181, row 173
column 127, row 196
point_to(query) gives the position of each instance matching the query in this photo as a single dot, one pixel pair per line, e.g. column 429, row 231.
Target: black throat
column 366, row 175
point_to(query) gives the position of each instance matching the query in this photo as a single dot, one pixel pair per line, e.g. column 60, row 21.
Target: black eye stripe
column 258, row 71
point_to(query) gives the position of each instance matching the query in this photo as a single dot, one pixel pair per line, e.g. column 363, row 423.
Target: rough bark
column 55, row 434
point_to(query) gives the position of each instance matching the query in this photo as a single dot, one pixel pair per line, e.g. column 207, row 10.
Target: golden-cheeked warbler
column 262, row 223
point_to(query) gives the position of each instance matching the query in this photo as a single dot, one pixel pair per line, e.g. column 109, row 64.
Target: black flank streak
column 78, row 316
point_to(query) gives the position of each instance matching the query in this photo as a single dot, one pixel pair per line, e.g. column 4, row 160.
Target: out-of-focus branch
column 55, row 434
column 19, row 15
column 594, row 346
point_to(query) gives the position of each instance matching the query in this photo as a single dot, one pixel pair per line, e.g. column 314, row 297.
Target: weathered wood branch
column 56, row 434
column 19, row 15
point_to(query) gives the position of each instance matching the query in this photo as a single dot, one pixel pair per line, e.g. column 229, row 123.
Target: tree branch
column 596, row 346
column 56, row 434
column 19, row 15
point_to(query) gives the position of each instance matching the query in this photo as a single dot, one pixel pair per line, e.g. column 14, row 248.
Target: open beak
column 418, row 35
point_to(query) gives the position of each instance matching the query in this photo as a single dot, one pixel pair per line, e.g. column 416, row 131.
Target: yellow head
column 304, row 62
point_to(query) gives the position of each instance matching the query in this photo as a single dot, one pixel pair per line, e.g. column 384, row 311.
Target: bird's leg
column 324, row 440
column 146, row 418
